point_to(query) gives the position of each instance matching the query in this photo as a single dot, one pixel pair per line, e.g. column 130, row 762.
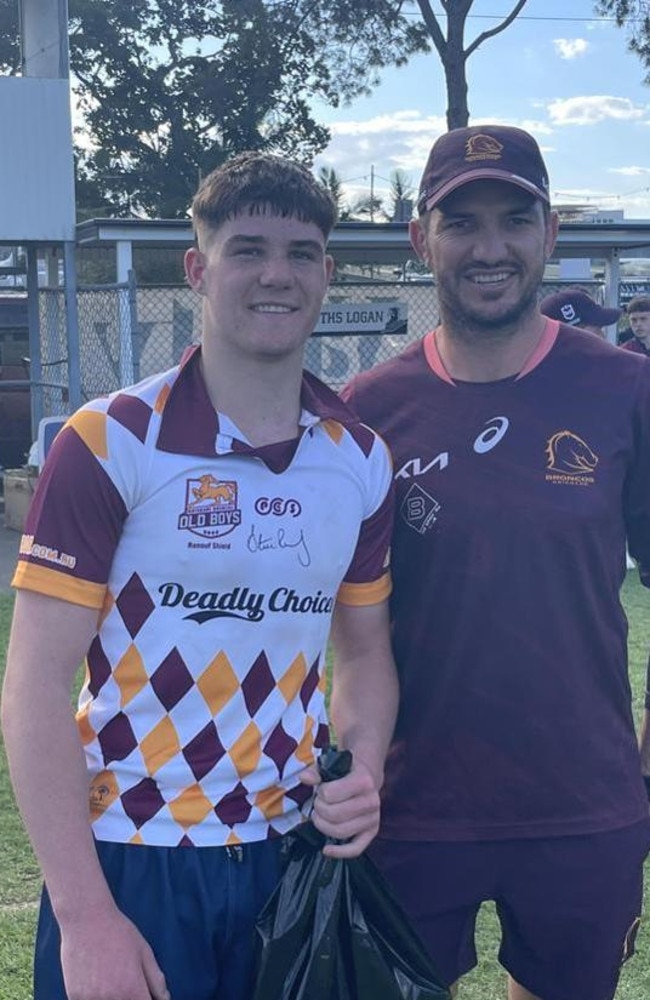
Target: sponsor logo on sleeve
column 211, row 507
column 569, row 460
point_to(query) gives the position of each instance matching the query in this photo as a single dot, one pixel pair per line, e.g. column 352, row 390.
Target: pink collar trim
column 542, row 348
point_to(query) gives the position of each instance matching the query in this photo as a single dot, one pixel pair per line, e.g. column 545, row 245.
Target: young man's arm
column 104, row 957
column 363, row 711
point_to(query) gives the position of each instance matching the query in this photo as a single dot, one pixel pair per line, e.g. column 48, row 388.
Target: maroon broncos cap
column 575, row 307
column 483, row 152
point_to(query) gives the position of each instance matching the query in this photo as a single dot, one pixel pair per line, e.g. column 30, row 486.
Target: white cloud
column 569, row 48
column 630, row 171
column 593, row 109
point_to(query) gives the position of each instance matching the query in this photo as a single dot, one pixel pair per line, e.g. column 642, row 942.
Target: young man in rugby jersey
column 191, row 537
column 521, row 449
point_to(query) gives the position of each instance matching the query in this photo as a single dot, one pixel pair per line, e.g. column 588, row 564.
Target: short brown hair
column 639, row 304
column 254, row 182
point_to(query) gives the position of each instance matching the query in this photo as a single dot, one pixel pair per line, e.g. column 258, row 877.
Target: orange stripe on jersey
column 161, row 399
column 54, row 584
column 334, row 429
column 361, row 594
column 91, row 428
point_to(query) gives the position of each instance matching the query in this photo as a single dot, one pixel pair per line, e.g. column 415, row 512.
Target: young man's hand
column 106, row 958
column 346, row 809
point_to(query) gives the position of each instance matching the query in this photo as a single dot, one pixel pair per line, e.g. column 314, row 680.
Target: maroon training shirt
column 514, row 499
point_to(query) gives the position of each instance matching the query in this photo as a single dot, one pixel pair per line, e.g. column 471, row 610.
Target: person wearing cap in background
column 521, row 450
column 638, row 314
column 575, row 307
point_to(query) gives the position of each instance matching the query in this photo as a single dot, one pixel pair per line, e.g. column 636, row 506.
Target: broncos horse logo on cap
column 483, row 147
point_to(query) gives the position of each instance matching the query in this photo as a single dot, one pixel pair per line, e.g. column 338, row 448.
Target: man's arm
column 102, row 953
column 363, row 711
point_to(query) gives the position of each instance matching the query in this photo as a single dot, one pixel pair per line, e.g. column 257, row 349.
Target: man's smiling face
column 487, row 245
column 263, row 277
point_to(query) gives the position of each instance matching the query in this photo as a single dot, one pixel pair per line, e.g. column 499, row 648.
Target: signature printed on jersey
column 270, row 541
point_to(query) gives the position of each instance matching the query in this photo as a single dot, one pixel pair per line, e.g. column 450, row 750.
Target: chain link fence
column 128, row 333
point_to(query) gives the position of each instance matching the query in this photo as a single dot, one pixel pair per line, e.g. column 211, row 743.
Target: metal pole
column 72, row 325
column 34, row 328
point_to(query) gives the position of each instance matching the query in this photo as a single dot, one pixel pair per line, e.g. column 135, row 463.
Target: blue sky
column 557, row 71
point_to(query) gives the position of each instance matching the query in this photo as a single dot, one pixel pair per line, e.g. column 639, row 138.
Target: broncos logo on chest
column 568, row 453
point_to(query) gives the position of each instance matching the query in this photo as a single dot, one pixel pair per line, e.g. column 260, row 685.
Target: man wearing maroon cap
column 575, row 307
column 514, row 772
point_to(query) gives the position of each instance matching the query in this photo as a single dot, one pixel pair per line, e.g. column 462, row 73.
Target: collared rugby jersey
column 514, row 500
column 636, row 346
column 214, row 568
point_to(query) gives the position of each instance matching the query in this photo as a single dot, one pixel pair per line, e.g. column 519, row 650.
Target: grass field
column 19, row 881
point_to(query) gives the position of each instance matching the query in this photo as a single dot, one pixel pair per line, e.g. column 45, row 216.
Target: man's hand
column 346, row 809
column 106, row 958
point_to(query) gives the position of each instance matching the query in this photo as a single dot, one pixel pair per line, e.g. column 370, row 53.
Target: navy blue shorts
column 195, row 906
column 569, row 907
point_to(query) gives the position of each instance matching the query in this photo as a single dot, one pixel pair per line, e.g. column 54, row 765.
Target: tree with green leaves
column 171, row 88
column 634, row 15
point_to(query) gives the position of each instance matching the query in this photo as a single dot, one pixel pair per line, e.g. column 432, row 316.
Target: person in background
column 191, row 537
column 522, row 461
column 575, row 307
column 638, row 314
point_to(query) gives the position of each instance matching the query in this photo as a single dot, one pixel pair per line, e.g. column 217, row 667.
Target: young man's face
column 263, row 278
column 640, row 326
column 487, row 245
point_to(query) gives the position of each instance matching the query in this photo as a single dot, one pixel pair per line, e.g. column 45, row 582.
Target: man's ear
column 419, row 240
column 195, row 269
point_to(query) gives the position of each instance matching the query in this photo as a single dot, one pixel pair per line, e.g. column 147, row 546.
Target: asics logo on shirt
column 492, row 433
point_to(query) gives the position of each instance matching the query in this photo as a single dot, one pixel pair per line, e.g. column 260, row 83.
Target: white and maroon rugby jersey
column 214, row 567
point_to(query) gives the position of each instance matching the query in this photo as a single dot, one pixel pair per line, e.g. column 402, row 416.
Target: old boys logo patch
column 210, row 507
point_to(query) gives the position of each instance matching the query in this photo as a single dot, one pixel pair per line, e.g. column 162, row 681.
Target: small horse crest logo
column 211, row 507
column 569, row 459
column 483, row 147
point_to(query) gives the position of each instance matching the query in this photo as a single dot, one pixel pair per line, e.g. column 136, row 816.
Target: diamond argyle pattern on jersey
column 99, row 667
column 132, row 413
column 218, row 683
column 258, row 684
column 203, row 729
column 135, row 605
column 160, row 745
column 279, row 747
column 310, row 685
column 204, row 751
column 269, row 801
column 300, row 794
column 130, row 675
column 233, row 807
column 171, row 680
column 117, row 739
column 246, row 751
column 290, row 682
column 191, row 807
column 142, row 802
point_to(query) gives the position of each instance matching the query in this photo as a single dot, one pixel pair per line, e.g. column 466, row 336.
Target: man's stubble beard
column 469, row 324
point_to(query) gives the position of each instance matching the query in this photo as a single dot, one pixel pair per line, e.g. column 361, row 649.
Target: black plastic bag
column 333, row 931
